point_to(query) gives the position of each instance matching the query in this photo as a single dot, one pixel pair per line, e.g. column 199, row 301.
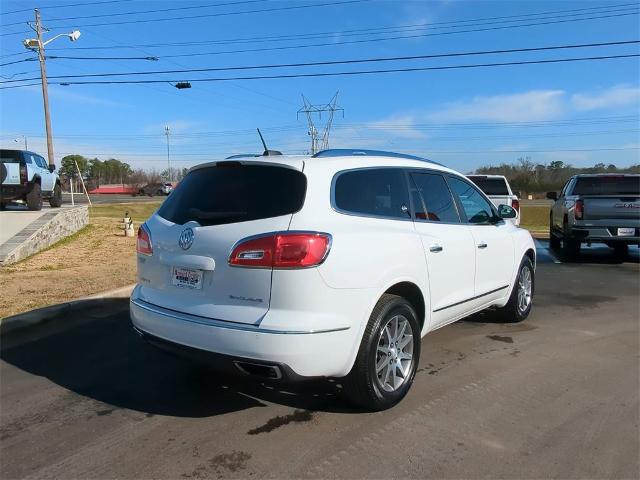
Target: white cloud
column 534, row 105
column 399, row 126
column 61, row 95
column 617, row 96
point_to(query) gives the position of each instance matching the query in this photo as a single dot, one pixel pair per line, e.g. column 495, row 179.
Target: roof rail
column 347, row 152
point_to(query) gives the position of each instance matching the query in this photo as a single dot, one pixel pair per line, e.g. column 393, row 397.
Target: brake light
column 282, row 250
column 143, row 244
column 515, row 204
column 579, row 210
column 23, row 174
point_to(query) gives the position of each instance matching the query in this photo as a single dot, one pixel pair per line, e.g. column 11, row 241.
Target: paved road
column 106, row 198
column 555, row 396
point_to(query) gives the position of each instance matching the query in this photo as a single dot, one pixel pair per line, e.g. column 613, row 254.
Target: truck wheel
column 519, row 305
column 3, row 206
column 34, row 198
column 570, row 248
column 388, row 356
column 554, row 241
column 621, row 250
column 56, row 197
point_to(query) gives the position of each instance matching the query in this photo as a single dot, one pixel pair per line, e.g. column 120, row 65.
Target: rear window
column 491, row 186
column 233, row 193
column 607, row 186
column 10, row 156
column 379, row 192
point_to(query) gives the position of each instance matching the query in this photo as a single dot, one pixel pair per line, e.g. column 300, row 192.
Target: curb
column 42, row 315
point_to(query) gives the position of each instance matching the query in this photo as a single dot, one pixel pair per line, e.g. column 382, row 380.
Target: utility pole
column 37, row 44
column 319, row 143
column 166, row 132
column 45, row 90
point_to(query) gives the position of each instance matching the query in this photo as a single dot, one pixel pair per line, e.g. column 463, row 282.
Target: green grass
column 535, row 219
column 138, row 211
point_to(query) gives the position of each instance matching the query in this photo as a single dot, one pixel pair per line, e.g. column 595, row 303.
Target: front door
column 492, row 238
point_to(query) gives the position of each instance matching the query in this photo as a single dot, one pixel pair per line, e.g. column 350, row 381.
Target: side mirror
column 552, row 196
column 52, row 168
column 505, row 211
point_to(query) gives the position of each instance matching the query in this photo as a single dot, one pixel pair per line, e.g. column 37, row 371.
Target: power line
column 65, row 5
column 18, row 61
column 349, row 73
column 53, row 20
column 343, row 62
column 209, row 15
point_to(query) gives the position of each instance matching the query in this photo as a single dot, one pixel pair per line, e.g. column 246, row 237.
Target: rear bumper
column 297, row 354
column 14, row 192
column 608, row 234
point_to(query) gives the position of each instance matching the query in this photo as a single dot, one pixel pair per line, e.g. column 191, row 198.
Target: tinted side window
column 41, row 161
column 475, row 206
column 376, row 191
column 437, row 203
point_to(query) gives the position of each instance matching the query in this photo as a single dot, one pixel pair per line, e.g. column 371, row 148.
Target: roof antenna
column 267, row 152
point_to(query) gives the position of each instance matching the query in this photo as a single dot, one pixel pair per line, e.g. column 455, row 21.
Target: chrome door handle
column 435, row 248
column 482, row 245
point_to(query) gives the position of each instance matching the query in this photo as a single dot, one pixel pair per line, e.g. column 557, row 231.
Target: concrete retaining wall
column 43, row 232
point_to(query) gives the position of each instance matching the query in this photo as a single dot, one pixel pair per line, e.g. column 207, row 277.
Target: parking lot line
column 545, row 251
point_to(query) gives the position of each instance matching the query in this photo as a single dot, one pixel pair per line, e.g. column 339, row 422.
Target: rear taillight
column 282, row 250
column 515, row 204
column 143, row 244
column 23, row 174
column 579, row 210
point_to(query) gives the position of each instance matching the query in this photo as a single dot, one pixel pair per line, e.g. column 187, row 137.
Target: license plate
column 626, row 232
column 187, row 278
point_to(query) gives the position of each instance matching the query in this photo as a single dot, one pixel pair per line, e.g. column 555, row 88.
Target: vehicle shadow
column 599, row 254
column 99, row 356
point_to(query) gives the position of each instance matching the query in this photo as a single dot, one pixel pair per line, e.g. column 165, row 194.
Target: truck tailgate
column 613, row 207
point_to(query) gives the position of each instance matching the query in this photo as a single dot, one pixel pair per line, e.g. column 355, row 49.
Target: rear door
column 448, row 246
column 195, row 230
column 493, row 241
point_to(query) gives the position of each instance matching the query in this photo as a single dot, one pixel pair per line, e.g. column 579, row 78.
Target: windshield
column 232, row 192
column 606, row 185
column 491, row 186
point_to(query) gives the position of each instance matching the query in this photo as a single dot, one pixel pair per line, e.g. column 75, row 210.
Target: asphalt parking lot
column 555, row 396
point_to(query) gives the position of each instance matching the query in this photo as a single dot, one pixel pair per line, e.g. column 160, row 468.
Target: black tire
column 34, row 198
column 56, row 197
column 512, row 311
column 621, row 250
column 3, row 206
column 554, row 241
column 362, row 386
column 570, row 248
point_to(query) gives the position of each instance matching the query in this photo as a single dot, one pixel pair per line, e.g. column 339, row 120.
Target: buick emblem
column 186, row 239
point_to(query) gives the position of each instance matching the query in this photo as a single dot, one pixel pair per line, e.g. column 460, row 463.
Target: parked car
column 497, row 188
column 152, row 189
column 26, row 176
column 167, row 188
column 596, row 208
column 334, row 265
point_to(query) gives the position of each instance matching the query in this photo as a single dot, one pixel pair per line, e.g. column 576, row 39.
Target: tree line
column 97, row 172
column 528, row 176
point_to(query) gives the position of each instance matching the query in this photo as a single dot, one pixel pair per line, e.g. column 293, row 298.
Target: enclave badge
column 186, row 238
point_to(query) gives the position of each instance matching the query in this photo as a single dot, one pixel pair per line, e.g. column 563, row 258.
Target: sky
column 581, row 112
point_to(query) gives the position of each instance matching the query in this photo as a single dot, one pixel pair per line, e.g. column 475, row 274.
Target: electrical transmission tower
column 320, row 141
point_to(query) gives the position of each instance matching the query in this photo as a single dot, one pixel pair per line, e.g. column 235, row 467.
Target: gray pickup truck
column 594, row 208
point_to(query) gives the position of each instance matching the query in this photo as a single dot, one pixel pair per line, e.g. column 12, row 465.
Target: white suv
column 328, row 266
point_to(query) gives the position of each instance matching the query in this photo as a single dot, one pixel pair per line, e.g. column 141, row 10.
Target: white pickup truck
column 497, row 188
column 25, row 176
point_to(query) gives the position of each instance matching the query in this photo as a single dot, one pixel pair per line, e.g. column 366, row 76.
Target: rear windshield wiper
column 202, row 215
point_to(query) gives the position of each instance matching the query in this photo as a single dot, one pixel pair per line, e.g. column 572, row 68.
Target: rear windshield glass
column 235, row 193
column 10, row 156
column 607, row 186
column 491, row 186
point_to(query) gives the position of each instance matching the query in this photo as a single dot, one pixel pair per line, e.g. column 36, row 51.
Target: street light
column 37, row 45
